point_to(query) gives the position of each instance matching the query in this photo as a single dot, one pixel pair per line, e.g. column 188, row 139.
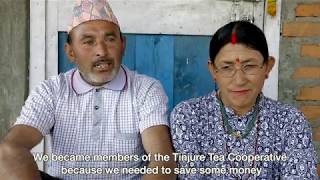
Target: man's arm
column 23, row 136
column 16, row 161
column 156, row 139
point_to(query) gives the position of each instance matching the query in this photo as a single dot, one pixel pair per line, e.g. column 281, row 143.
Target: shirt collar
column 80, row 86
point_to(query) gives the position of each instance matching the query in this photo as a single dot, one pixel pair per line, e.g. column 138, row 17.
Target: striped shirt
column 95, row 122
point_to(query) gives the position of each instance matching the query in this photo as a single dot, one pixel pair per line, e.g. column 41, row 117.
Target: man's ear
column 270, row 63
column 69, row 52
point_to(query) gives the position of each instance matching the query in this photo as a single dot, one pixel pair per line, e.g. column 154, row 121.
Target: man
column 240, row 133
column 100, row 110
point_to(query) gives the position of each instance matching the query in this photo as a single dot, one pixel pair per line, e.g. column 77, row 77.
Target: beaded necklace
column 249, row 127
column 229, row 130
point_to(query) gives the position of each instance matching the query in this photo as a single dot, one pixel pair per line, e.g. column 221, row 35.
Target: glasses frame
column 217, row 69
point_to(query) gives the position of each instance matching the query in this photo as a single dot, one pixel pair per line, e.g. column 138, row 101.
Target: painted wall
column 183, row 17
column 14, row 48
column 166, row 17
column 299, row 70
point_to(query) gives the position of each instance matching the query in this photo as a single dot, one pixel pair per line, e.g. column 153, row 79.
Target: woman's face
column 240, row 73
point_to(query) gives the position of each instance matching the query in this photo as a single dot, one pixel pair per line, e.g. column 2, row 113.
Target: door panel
column 191, row 75
column 154, row 57
column 178, row 62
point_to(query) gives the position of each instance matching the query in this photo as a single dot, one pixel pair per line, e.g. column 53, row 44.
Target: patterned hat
column 87, row 10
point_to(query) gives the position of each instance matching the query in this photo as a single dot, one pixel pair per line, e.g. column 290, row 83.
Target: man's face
column 97, row 49
column 240, row 90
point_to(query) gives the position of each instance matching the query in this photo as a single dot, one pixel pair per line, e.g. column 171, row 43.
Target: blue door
column 179, row 62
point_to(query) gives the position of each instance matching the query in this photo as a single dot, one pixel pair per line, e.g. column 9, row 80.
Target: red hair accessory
column 233, row 38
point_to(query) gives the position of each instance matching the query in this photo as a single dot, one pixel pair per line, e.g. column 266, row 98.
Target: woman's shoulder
column 196, row 105
column 282, row 114
column 279, row 108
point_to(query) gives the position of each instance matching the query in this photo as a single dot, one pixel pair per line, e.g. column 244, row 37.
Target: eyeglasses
column 229, row 71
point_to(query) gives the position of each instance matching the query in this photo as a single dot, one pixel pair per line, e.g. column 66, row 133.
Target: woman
column 241, row 133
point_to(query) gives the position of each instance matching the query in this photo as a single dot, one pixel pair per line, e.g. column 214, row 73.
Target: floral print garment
column 279, row 145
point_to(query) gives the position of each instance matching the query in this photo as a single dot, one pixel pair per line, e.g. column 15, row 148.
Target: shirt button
column 96, row 107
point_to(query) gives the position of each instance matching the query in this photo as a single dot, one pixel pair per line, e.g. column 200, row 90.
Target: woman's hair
column 246, row 33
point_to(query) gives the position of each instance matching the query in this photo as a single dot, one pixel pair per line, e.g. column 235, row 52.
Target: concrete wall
column 299, row 70
column 14, row 54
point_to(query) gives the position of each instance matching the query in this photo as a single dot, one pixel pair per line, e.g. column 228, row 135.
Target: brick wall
column 299, row 71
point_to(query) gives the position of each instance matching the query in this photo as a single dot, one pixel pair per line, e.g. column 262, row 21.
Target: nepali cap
column 87, row 10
